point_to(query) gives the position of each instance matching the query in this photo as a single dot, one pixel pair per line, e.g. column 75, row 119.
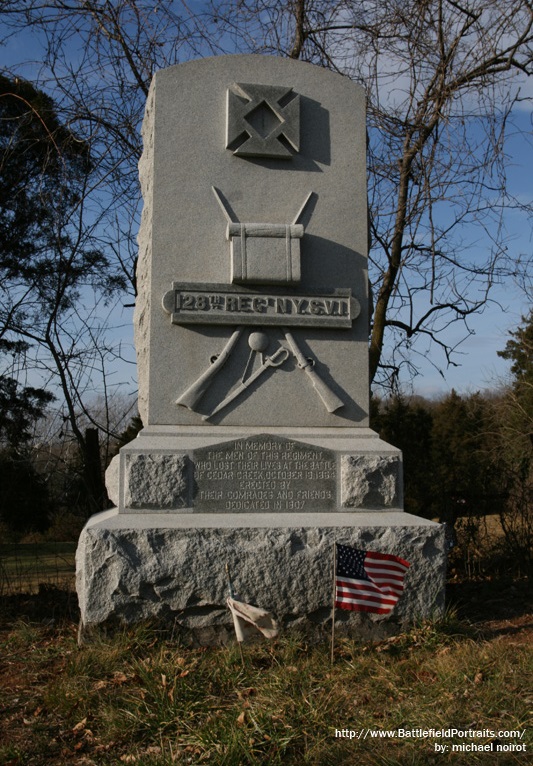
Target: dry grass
column 24, row 567
column 140, row 697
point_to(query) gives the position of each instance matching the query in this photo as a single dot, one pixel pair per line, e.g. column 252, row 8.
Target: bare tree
column 442, row 78
column 59, row 309
column 54, row 274
column 97, row 59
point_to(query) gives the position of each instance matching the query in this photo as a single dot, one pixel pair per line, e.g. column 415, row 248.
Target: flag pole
column 333, row 604
column 235, row 619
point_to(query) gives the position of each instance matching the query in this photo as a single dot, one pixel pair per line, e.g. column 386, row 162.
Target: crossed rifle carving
column 258, row 343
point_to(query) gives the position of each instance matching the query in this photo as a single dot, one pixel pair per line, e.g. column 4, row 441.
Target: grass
column 24, row 567
column 140, row 697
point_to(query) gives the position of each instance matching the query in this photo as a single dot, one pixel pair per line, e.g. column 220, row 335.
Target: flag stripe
column 387, row 557
column 362, row 608
column 387, row 566
column 382, row 585
column 369, row 584
column 368, row 581
column 354, row 598
column 377, row 571
column 355, row 603
column 366, row 594
column 385, row 563
column 366, row 591
column 361, row 598
column 341, row 593
column 395, row 581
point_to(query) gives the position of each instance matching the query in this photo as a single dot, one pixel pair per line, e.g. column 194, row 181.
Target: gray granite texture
column 307, row 470
column 370, row 481
column 184, row 237
column 156, row 481
column 132, row 568
column 251, row 331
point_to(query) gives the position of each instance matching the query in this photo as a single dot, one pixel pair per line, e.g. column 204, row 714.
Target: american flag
column 366, row 581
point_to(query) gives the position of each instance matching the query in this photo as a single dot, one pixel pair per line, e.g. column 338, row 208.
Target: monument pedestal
column 171, row 567
column 219, row 469
column 162, row 553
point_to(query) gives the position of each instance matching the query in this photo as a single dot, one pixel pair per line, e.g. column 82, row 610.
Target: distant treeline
column 467, row 459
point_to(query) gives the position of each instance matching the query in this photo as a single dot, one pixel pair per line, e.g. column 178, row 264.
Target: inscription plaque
column 264, row 474
column 195, row 303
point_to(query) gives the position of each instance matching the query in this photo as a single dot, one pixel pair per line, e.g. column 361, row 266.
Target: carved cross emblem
column 263, row 121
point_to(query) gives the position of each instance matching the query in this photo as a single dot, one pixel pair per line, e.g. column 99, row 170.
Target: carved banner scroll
column 200, row 303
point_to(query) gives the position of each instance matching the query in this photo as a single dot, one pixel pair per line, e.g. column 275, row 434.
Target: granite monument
column 251, row 331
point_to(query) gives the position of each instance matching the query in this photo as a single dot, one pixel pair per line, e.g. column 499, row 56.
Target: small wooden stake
column 242, row 654
column 232, row 595
column 333, row 605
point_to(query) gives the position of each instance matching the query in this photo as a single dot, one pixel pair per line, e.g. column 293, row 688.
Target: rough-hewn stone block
column 156, row 481
column 172, row 567
column 370, row 481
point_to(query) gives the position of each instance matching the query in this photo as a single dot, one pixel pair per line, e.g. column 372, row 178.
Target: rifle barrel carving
column 196, row 390
column 330, row 399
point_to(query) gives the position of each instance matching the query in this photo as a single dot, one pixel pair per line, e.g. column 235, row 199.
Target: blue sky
column 480, row 367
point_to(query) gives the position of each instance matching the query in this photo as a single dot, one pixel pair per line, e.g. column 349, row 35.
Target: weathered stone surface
column 369, row 481
column 131, row 568
column 251, row 323
column 112, row 479
column 256, row 472
column 141, row 318
column 183, row 236
column 156, row 481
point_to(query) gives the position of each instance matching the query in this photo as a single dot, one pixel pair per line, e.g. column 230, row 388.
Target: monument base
column 173, row 469
column 171, row 567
